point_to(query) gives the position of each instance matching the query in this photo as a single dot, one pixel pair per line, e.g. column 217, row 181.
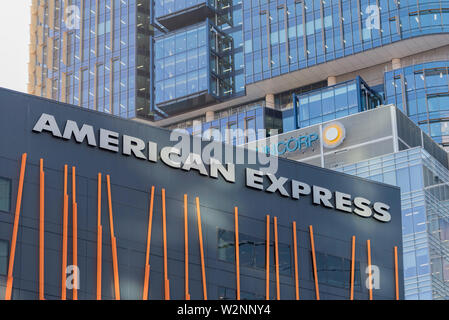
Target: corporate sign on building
column 291, row 145
column 333, row 135
column 349, row 139
column 176, row 158
column 138, row 159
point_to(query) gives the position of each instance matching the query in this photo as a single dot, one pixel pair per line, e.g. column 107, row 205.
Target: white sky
column 14, row 40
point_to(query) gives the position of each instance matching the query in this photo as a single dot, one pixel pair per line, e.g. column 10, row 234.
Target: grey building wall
column 369, row 134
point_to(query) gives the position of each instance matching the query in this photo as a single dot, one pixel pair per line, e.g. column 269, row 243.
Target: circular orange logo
column 333, row 135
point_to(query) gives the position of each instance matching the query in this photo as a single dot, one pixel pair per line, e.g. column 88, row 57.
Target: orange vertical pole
column 147, row 258
column 41, row 229
column 164, row 234
column 352, row 267
column 64, row 238
column 276, row 257
column 200, row 238
column 75, row 234
column 396, row 276
column 99, row 237
column 295, row 253
column 113, row 242
column 368, row 247
column 237, row 250
column 12, row 252
column 115, row 268
column 315, row 273
column 186, row 249
column 267, row 260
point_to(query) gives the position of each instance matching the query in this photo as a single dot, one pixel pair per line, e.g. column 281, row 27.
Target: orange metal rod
column 75, row 233
column 237, row 251
column 186, row 249
column 146, row 283
column 99, row 237
column 113, row 242
column 267, row 260
column 147, row 258
column 12, row 253
column 41, row 230
column 108, row 185
column 295, row 253
column 352, row 267
column 99, row 259
column 164, row 234
column 200, row 237
column 368, row 247
column 64, row 238
column 276, row 257
column 396, row 276
column 115, row 268
column 315, row 273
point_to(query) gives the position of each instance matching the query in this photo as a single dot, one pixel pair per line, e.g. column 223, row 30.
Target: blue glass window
column 184, row 64
column 416, row 178
column 403, row 180
column 5, row 194
column 407, row 222
column 409, row 264
column 4, row 257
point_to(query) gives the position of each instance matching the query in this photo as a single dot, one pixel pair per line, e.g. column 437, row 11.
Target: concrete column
column 396, row 64
column 210, row 116
column 269, row 101
column 331, row 81
column 196, row 124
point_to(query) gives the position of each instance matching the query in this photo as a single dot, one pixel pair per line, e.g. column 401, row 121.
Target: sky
column 14, row 40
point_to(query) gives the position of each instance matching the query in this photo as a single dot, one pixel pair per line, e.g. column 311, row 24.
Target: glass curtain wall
column 93, row 61
column 181, row 63
column 331, row 103
column 286, row 35
column 422, row 92
column 240, row 127
column 424, row 184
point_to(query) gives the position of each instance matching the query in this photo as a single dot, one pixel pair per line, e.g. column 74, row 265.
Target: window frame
column 255, row 266
column 357, row 272
column 7, row 257
column 10, row 194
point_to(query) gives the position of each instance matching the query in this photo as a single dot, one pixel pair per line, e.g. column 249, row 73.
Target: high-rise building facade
column 316, row 60
column 199, row 64
column 92, row 53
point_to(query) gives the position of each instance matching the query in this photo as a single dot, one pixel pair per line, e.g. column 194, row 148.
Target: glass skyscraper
column 188, row 63
column 198, row 53
column 282, row 49
column 286, row 35
column 94, row 54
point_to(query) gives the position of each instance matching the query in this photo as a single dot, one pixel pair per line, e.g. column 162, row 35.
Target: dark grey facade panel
column 132, row 179
column 360, row 153
column 435, row 150
column 409, row 132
